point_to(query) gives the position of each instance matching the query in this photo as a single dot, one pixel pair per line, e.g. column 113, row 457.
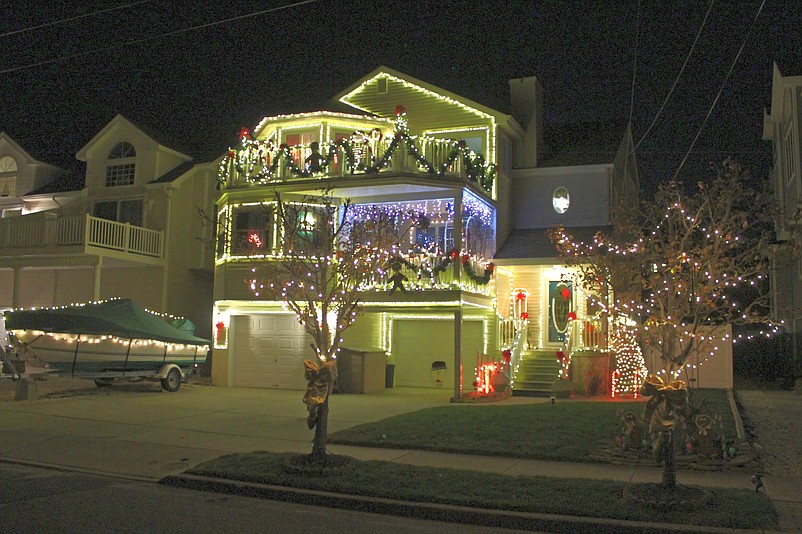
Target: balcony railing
column 261, row 162
column 429, row 271
column 82, row 230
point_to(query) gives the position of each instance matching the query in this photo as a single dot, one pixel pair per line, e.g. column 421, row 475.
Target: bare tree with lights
column 317, row 273
column 685, row 265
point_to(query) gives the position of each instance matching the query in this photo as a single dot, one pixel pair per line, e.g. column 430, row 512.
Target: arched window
column 121, row 165
column 8, row 176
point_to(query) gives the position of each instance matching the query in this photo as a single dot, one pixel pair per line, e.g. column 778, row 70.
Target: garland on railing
column 443, row 264
column 479, row 279
column 254, row 151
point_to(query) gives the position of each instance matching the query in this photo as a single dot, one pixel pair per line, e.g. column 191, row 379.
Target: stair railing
column 519, row 344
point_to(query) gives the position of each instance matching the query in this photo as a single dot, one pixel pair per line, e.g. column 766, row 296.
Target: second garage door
column 268, row 351
column 417, row 344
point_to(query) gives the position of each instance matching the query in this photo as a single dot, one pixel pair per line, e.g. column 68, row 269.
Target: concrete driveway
column 138, row 430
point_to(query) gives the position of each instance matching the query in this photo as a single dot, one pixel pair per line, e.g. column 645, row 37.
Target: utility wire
column 152, row 37
column 632, row 92
column 721, row 89
column 62, row 21
column 676, row 80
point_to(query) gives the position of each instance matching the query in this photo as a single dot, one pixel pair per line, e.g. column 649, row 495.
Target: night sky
column 199, row 87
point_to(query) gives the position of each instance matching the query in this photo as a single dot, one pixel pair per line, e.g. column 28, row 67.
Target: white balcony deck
column 52, row 235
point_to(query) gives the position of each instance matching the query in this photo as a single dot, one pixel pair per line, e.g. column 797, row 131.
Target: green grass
column 575, row 497
column 565, row 431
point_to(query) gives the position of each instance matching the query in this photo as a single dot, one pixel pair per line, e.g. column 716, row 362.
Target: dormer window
column 8, row 176
column 121, row 165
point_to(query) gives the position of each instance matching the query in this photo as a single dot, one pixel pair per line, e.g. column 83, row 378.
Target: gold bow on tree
column 319, row 378
column 667, row 399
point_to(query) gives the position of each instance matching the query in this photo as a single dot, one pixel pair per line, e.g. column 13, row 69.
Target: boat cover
column 117, row 317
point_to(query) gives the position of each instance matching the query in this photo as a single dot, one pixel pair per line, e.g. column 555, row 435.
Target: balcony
column 260, row 162
column 45, row 235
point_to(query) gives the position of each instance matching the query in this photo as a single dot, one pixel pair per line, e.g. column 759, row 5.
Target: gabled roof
column 583, row 143
column 74, row 180
column 383, row 89
column 534, row 243
column 29, row 160
column 116, row 122
column 174, row 173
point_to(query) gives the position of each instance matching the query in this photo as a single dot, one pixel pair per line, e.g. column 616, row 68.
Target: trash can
column 389, row 375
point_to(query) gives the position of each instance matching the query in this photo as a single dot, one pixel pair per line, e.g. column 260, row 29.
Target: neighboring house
column 782, row 128
column 489, row 184
column 20, row 174
column 129, row 226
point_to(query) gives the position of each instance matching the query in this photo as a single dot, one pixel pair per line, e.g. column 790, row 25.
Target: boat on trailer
column 102, row 341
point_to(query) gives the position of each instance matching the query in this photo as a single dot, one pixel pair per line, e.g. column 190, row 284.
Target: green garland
column 476, row 169
column 443, row 264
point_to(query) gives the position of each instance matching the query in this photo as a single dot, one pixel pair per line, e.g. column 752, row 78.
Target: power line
column 721, row 89
column 152, row 37
column 62, row 21
column 674, row 85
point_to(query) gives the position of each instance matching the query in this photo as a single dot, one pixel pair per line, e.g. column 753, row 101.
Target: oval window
column 560, row 200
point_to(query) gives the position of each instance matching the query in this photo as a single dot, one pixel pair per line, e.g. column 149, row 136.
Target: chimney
column 526, row 95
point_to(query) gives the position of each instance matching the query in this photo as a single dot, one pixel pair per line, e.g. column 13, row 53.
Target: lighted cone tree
column 317, row 274
column 682, row 266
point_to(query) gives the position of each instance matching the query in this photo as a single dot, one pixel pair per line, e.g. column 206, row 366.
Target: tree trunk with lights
column 318, row 275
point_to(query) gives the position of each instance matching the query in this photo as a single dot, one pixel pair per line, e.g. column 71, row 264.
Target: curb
column 437, row 512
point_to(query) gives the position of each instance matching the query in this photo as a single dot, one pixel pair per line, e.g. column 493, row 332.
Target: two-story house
column 129, row 227
column 782, row 127
column 478, row 271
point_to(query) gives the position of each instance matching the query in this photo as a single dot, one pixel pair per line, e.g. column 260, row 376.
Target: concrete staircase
column 538, row 370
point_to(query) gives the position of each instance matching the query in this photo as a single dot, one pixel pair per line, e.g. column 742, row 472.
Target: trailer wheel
column 104, row 382
column 172, row 381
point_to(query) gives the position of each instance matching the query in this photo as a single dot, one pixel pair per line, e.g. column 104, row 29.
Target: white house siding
column 267, row 351
column 703, row 370
column 143, row 285
column 6, row 288
column 588, row 188
column 188, row 287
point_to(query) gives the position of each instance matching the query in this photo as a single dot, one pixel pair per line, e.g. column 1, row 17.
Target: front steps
column 537, row 373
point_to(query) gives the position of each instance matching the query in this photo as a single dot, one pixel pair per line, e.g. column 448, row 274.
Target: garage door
column 417, row 344
column 268, row 351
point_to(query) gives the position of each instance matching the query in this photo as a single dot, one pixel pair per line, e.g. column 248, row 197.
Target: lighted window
column 303, row 232
column 252, row 232
column 8, row 176
column 560, row 200
column 121, row 165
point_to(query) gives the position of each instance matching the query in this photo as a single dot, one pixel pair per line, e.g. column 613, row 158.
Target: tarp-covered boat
column 116, row 335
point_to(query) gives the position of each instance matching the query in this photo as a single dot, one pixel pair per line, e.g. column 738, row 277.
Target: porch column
column 96, row 283
column 457, row 355
column 457, row 235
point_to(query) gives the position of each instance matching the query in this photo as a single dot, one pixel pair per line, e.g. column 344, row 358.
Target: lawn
column 564, row 431
column 574, row 497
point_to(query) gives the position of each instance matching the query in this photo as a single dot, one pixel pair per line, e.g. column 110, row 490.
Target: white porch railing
column 586, row 334
column 43, row 232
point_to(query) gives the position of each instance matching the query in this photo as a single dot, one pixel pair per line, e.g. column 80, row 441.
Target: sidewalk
column 142, row 432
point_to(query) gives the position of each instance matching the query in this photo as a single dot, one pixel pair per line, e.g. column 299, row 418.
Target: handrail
column 519, row 344
column 35, row 231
